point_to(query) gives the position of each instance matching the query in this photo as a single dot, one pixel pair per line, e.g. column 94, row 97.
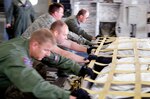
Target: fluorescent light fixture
column 33, row 2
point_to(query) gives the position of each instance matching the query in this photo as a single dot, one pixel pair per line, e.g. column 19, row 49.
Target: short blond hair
column 57, row 25
column 43, row 35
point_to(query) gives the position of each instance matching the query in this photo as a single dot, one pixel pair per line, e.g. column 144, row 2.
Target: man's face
column 59, row 14
column 40, row 51
column 84, row 17
column 62, row 34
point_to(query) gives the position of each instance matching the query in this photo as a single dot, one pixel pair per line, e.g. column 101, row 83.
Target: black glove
column 98, row 36
column 61, row 73
column 80, row 94
column 48, row 60
column 92, row 57
column 107, row 43
column 105, row 60
column 90, row 49
column 86, row 70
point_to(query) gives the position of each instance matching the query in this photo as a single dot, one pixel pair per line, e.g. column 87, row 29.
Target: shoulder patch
column 27, row 61
column 56, row 58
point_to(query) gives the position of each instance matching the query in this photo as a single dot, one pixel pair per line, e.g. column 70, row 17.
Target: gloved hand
column 90, row 49
column 107, row 43
column 86, row 70
column 105, row 60
column 98, row 36
column 61, row 73
column 48, row 60
column 80, row 94
column 92, row 57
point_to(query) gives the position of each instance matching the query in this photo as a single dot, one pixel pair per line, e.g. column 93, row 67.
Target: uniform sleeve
column 74, row 27
column 76, row 38
column 9, row 13
column 32, row 13
column 60, row 62
column 27, row 79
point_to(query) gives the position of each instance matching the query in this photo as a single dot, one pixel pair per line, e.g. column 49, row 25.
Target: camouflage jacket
column 43, row 21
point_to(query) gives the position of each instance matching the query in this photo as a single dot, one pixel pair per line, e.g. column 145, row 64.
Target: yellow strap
column 91, row 64
column 120, row 93
column 107, row 84
column 100, row 64
column 137, row 94
column 90, row 91
column 99, row 73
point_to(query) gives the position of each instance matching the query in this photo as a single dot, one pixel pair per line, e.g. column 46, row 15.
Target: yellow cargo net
column 136, row 93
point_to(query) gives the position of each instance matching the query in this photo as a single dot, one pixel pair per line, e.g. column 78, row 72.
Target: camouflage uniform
column 79, row 39
column 43, row 21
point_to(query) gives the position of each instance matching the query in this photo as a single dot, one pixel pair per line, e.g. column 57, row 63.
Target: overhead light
column 33, row 2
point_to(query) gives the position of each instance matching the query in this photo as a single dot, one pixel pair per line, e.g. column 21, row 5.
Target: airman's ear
column 81, row 16
column 55, row 33
column 55, row 13
column 34, row 44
